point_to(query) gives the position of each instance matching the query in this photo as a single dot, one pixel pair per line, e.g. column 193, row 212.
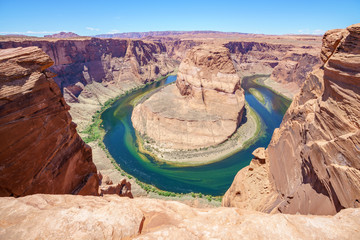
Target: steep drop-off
column 40, row 150
column 312, row 164
column 203, row 109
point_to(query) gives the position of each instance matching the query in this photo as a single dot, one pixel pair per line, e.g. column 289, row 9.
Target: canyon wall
column 40, row 150
column 294, row 67
column 90, row 71
column 116, row 63
column 312, row 164
column 285, row 62
column 78, row 62
column 204, row 108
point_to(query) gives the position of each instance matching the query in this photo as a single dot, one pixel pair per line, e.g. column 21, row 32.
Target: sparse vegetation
column 257, row 94
column 95, row 133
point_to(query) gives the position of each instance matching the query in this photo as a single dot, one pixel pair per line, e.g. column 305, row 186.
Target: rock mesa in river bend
column 204, row 108
column 312, row 164
column 40, row 150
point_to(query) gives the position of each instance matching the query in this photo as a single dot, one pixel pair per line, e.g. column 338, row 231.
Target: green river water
column 214, row 178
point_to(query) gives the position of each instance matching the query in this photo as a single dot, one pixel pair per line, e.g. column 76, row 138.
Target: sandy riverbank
column 247, row 133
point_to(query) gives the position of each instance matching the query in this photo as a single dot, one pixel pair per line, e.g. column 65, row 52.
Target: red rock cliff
column 312, row 164
column 40, row 150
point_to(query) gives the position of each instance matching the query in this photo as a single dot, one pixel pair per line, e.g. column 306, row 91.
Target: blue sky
column 95, row 17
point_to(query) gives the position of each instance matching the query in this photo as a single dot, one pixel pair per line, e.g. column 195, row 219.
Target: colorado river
column 214, row 178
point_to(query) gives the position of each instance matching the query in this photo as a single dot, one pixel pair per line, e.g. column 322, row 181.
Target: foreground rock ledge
column 113, row 217
column 203, row 109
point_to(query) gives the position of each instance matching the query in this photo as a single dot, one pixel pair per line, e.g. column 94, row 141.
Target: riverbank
column 93, row 135
column 247, row 133
column 164, row 175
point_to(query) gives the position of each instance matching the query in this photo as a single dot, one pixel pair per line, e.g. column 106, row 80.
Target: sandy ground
column 246, row 131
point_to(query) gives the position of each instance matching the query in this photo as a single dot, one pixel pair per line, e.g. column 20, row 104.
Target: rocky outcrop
column 122, row 189
column 40, row 150
column 252, row 188
column 112, row 217
column 203, row 109
column 313, row 160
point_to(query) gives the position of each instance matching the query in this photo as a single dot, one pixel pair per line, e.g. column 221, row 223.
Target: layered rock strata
column 92, row 70
column 313, row 160
column 79, row 62
column 203, row 109
column 112, row 217
column 295, row 67
column 285, row 63
column 40, row 150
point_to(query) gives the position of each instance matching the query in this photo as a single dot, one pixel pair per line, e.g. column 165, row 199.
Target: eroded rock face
column 294, row 68
column 84, row 61
column 40, row 150
column 287, row 63
column 112, row 217
column 203, row 109
column 92, row 70
column 314, row 157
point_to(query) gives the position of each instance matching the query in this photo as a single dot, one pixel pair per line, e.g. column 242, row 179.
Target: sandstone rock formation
column 83, row 61
column 294, row 67
column 40, row 150
column 112, row 217
column 313, row 160
column 107, row 186
column 92, row 70
column 286, row 63
column 203, row 109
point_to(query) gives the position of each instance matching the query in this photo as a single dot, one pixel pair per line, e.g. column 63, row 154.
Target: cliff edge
column 40, row 150
column 312, row 165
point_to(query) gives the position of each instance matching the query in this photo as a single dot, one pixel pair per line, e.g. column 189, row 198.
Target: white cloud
column 113, row 31
column 308, row 31
column 318, row 31
column 92, row 29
